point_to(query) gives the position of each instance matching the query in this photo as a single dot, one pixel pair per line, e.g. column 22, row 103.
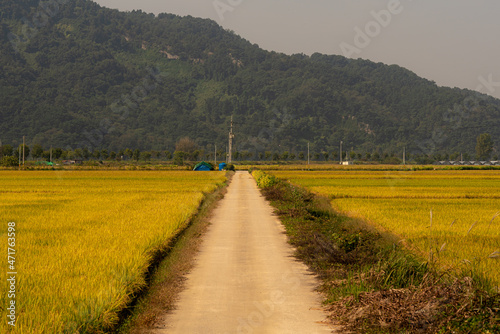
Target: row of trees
column 39, row 153
column 187, row 150
column 180, row 157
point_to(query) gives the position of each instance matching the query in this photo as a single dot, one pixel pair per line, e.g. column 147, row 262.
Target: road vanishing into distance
column 245, row 278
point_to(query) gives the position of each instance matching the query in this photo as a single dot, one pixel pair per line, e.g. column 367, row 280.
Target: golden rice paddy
column 84, row 240
column 449, row 217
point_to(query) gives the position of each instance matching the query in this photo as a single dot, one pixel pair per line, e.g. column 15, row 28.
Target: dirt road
column 245, row 279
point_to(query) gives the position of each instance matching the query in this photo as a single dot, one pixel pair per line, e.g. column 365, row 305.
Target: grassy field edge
column 167, row 274
column 371, row 283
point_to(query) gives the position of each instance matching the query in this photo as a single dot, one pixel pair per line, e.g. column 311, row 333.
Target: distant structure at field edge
column 468, row 163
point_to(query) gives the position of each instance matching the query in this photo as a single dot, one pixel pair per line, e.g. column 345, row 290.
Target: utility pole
column 341, row 153
column 231, row 137
column 23, row 149
column 404, row 156
column 308, row 161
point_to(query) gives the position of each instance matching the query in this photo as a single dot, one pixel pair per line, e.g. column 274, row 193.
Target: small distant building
column 467, row 163
column 347, row 163
column 72, row 162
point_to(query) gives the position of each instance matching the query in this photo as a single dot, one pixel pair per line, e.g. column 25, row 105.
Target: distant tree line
column 186, row 150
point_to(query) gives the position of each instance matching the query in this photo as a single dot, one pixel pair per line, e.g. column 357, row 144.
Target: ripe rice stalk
column 430, row 226
column 473, row 225
column 495, row 216
column 495, row 255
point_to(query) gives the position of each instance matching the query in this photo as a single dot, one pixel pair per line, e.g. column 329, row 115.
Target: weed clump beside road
column 264, row 180
column 371, row 282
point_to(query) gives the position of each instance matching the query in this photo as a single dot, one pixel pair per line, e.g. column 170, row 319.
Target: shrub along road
column 246, row 279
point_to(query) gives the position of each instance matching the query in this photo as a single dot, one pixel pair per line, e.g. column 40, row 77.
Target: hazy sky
column 453, row 42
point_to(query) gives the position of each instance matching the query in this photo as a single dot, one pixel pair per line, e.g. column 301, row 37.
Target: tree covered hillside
column 74, row 74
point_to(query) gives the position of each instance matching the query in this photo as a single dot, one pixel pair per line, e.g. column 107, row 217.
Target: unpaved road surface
column 245, row 279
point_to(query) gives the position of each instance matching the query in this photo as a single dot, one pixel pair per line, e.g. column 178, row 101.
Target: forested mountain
column 75, row 74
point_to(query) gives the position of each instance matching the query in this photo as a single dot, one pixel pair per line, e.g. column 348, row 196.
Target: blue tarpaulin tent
column 222, row 166
column 203, row 166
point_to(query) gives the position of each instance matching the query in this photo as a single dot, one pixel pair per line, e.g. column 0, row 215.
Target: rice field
column 84, row 240
column 448, row 217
